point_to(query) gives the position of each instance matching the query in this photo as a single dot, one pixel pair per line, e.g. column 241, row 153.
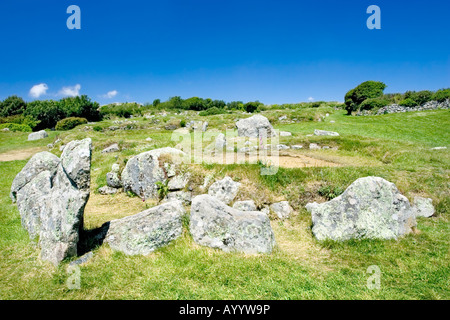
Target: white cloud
column 70, row 91
column 38, row 90
column 110, row 94
column 310, row 99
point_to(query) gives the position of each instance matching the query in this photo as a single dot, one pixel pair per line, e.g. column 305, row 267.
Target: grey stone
column 325, row 133
column 254, row 127
column 204, row 126
column 285, row 134
column 314, row 146
column 216, row 225
column 423, row 207
column 310, row 206
column 43, row 161
column 179, row 182
column 107, row 190
column 439, row 148
column 370, row 208
column 112, row 148
column 282, row 147
column 296, row 147
column 145, row 232
column 83, row 259
column 51, row 204
column 247, row 205
column 225, row 190
column 220, row 141
column 184, row 196
column 282, row 209
column 37, row 135
column 143, row 171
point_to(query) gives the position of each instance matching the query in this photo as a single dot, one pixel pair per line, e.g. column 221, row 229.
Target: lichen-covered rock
column 246, row 205
column 37, row 135
column 40, row 162
column 112, row 148
column 107, row 190
column 325, row 133
column 423, row 207
column 254, row 127
column 146, row 231
column 178, row 182
column 184, row 196
column 216, row 225
column 282, row 209
column 370, row 208
column 143, row 171
column 225, row 190
column 52, row 203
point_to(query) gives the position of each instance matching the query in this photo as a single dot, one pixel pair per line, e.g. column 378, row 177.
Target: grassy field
column 396, row 147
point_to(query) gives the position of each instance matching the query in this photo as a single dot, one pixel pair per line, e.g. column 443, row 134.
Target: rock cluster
column 395, row 108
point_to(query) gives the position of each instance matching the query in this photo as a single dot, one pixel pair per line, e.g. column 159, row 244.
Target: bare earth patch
column 22, row 154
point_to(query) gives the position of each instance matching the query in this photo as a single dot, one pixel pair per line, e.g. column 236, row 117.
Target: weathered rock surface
column 225, row 190
column 254, row 127
column 178, row 182
column 143, row 171
column 246, row 205
column 220, row 142
column 325, row 133
column 282, row 209
column 40, row 162
column 423, row 207
column 370, row 208
column 51, row 204
column 112, row 178
column 107, row 190
column 146, row 231
column 216, row 225
column 112, row 148
column 37, row 135
column 184, row 196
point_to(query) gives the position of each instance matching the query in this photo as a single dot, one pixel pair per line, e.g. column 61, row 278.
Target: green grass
column 397, row 146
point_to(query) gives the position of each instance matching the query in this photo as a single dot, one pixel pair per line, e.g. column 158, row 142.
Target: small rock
column 325, row 133
column 314, row 146
column 178, row 182
column 282, row 147
column 247, row 205
column 285, row 134
column 225, row 190
column 282, row 209
column 107, row 190
column 423, row 207
column 37, row 135
column 439, row 148
column 297, row 147
column 83, row 259
column 112, row 148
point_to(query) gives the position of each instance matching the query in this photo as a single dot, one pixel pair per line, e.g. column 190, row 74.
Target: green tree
column 81, row 106
column 366, row 90
column 156, row 102
column 47, row 112
column 11, row 106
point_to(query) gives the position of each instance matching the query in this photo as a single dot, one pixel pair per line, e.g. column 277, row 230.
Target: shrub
column 441, row 95
column 12, row 105
column 98, row 128
column 373, row 103
column 252, row 106
column 366, row 90
column 408, row 103
column 421, row 97
column 21, row 119
column 329, row 192
column 16, row 127
column 122, row 110
column 80, row 106
column 183, row 123
column 212, row 111
column 70, row 123
column 47, row 112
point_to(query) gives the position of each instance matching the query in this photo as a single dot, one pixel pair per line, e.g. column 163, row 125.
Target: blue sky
column 278, row 51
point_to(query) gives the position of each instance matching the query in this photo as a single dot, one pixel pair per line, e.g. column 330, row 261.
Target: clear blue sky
column 275, row 51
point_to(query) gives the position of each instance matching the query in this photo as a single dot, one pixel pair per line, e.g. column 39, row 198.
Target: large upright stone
column 216, row 225
column 370, row 208
column 52, row 203
column 40, row 162
column 255, row 126
column 143, row 233
column 143, row 171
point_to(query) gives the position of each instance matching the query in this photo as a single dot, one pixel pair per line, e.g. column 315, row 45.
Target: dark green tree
column 11, row 106
column 366, row 90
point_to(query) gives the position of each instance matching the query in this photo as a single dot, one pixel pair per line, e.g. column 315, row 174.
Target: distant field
column 396, row 147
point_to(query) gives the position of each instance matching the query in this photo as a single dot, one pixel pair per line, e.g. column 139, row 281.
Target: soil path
column 21, row 154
